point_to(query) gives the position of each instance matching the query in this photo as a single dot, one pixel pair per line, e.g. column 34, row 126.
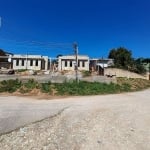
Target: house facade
column 69, row 62
column 30, row 62
column 100, row 64
column 5, row 61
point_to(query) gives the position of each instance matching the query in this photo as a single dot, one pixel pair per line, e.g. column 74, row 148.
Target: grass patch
column 10, row 85
column 135, row 84
column 87, row 88
column 29, row 86
column 74, row 88
column 21, row 70
column 46, row 87
column 86, row 73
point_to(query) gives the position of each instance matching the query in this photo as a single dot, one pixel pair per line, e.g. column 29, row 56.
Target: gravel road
column 109, row 122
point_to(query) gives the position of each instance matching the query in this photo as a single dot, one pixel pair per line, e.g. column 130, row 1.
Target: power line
column 31, row 42
column 34, row 46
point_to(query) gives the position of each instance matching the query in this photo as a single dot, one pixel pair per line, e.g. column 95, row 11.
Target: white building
column 69, row 62
column 30, row 62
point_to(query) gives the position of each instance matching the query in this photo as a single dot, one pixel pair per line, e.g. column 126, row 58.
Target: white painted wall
column 71, row 58
column 27, row 62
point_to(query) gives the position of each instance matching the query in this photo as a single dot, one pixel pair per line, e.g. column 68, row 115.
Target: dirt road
column 111, row 122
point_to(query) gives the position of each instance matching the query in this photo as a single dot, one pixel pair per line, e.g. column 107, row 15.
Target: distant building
column 99, row 64
column 5, row 62
column 69, row 62
column 30, row 62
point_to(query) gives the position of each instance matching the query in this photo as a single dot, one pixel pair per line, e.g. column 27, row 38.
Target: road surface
column 116, row 122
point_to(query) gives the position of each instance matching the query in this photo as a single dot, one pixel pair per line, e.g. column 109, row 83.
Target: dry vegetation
column 136, row 84
column 33, row 88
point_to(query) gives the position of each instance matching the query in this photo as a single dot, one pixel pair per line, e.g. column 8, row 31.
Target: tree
column 122, row 57
column 139, row 66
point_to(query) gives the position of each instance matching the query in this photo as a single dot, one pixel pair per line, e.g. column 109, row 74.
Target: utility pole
column 149, row 68
column 103, row 66
column 75, row 46
column 27, row 60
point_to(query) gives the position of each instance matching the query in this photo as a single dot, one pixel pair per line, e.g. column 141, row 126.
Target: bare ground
column 116, row 122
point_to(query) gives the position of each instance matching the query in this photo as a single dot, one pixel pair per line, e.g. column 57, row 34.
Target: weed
column 10, row 85
column 86, row 73
column 46, row 87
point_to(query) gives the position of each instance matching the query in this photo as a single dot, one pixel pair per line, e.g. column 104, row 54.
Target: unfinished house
column 30, row 62
column 99, row 65
column 69, row 63
column 5, row 62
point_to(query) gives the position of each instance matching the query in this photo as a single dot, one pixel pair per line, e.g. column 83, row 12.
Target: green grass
column 74, row 88
column 21, row 70
column 87, row 88
column 10, row 85
column 46, row 87
column 86, row 73
column 29, row 86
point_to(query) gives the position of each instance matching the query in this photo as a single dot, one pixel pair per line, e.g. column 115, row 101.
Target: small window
column 65, row 63
column 17, row 62
column 70, row 63
column 78, row 63
column 36, row 63
column 83, row 64
column 31, row 62
column 22, row 62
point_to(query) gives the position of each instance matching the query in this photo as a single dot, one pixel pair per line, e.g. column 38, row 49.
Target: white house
column 31, row 62
column 69, row 62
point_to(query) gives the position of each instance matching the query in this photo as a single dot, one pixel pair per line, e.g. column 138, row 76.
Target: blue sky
column 49, row 27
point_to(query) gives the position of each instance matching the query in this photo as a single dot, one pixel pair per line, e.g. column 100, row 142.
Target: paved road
column 116, row 122
column 18, row 111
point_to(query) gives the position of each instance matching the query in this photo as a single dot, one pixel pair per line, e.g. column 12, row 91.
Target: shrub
column 10, row 85
column 46, row 87
column 74, row 88
column 86, row 73
column 86, row 88
column 21, row 70
column 126, row 87
column 29, row 86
